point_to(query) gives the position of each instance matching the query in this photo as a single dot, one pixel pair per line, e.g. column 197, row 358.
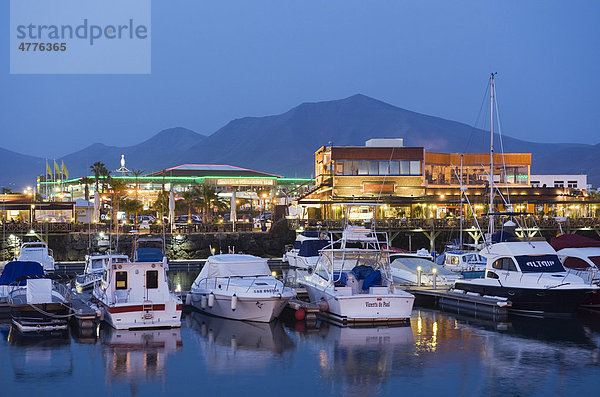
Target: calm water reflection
column 437, row 353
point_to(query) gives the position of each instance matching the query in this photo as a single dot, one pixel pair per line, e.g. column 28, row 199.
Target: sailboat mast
column 460, row 237
column 491, row 206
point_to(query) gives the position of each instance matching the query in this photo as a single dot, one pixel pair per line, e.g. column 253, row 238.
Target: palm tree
column 209, row 199
column 86, row 182
column 191, row 197
column 100, row 171
column 137, row 174
column 117, row 187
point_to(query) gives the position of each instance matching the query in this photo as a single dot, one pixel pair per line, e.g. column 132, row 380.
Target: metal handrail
column 206, row 280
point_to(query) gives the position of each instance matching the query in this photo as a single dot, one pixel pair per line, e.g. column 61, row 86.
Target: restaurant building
column 414, row 182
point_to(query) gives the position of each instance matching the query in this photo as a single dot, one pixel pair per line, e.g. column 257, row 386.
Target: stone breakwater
column 74, row 246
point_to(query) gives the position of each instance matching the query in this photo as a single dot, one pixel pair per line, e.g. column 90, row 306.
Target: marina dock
column 473, row 305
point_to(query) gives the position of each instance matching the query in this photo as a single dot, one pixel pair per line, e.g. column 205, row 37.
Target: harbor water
column 437, row 354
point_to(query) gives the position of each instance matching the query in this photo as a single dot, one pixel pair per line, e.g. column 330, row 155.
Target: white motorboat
column 461, row 261
column 95, row 265
column 305, row 252
column 136, row 295
column 355, row 284
column 42, row 305
column 527, row 273
column 239, row 287
column 37, row 251
column 405, row 270
column 530, row 275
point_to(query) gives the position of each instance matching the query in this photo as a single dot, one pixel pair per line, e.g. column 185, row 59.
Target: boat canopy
column 149, row 254
column 232, row 265
column 19, row 270
column 312, row 247
column 573, row 241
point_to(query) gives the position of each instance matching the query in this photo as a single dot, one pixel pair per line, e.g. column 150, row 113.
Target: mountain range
column 284, row 144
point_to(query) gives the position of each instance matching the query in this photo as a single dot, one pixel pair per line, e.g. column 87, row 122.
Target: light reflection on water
column 437, row 353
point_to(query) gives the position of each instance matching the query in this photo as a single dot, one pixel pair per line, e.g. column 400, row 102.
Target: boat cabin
column 135, row 282
column 37, row 251
column 522, row 258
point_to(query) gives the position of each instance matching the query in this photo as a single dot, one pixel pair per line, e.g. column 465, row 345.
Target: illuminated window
column 121, row 279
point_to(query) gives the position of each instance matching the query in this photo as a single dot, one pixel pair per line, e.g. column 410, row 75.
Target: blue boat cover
column 340, row 277
column 369, row 276
column 372, row 280
column 19, row 269
column 312, row 247
column 148, row 254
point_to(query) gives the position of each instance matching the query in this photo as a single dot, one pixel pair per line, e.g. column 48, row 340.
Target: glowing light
column 274, row 273
column 434, row 270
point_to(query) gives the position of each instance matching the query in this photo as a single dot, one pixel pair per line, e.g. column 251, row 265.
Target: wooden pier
column 469, row 304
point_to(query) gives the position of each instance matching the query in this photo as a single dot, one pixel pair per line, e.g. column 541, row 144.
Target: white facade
column 559, row 181
column 385, row 142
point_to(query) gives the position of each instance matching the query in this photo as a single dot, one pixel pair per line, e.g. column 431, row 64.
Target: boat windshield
column 539, row 263
column 346, row 260
column 98, row 263
column 596, row 260
column 472, row 258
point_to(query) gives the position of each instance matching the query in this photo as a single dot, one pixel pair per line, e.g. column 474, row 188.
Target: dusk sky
column 214, row 61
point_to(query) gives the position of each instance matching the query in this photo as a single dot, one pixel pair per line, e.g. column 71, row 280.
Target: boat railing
column 87, row 278
column 57, row 286
column 208, row 280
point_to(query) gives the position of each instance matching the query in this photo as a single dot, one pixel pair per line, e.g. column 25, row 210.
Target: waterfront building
column 414, row 182
column 256, row 189
column 561, row 181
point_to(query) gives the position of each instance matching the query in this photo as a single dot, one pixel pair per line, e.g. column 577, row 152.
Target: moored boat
column 95, row 264
column 37, row 251
column 353, row 280
column 42, row 305
column 239, row 287
column 305, row 251
column 530, row 275
column 407, row 268
column 136, row 295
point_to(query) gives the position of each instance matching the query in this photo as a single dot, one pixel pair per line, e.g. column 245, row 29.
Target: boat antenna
column 490, row 208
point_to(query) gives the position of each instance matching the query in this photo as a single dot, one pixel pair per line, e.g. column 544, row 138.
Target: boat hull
column 552, row 301
column 138, row 315
column 366, row 308
column 259, row 309
column 40, row 317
